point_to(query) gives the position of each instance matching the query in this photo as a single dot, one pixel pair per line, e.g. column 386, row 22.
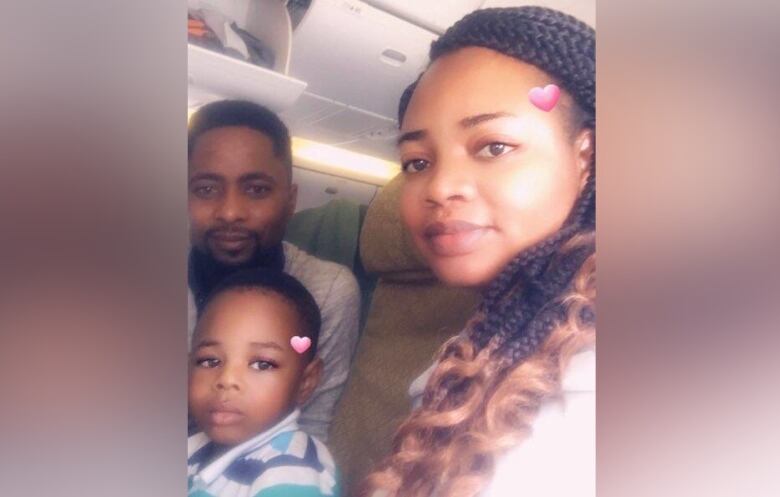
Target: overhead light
column 338, row 161
column 341, row 162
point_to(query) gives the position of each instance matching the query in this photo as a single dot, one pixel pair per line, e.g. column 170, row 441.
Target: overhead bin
column 357, row 54
column 213, row 75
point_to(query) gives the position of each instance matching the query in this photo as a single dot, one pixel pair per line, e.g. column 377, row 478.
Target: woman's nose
column 449, row 182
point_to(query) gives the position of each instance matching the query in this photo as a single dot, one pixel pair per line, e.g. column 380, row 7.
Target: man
column 241, row 197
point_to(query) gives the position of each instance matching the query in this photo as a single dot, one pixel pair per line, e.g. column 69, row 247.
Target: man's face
column 240, row 194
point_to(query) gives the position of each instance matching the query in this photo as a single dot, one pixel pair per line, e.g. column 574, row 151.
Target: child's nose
column 229, row 379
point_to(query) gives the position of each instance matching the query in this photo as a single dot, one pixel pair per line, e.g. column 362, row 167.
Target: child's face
column 487, row 174
column 244, row 374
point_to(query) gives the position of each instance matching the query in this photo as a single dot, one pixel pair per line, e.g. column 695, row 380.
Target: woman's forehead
column 472, row 81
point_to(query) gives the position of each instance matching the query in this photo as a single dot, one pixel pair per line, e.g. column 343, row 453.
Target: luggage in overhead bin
column 256, row 31
column 212, row 31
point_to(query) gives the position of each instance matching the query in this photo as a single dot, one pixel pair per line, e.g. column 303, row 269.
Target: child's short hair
column 282, row 284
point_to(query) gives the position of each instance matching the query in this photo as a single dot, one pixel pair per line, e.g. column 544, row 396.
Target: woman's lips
column 453, row 238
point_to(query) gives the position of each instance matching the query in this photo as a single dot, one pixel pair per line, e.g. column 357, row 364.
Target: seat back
column 410, row 316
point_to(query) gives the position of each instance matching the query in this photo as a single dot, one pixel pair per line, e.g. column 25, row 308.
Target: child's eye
column 414, row 165
column 262, row 365
column 207, row 362
column 495, row 149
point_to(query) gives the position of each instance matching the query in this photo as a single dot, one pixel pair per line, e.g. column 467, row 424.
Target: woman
column 499, row 194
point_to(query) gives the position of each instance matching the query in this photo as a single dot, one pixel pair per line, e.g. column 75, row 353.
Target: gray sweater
column 336, row 291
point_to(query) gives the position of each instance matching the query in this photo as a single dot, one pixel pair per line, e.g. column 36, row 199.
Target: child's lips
column 223, row 416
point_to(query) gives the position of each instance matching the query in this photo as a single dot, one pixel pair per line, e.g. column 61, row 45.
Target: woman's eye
column 414, row 166
column 262, row 365
column 495, row 149
column 208, row 362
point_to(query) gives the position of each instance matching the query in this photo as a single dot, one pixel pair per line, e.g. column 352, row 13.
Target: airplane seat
column 331, row 232
column 410, row 315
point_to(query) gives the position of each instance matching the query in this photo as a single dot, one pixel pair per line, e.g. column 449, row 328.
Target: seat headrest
column 385, row 245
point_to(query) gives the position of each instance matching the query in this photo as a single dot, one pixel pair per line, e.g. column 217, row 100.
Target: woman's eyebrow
column 471, row 121
column 415, row 135
column 206, row 343
column 466, row 122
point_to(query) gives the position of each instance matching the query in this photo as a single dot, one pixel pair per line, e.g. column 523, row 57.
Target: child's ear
column 585, row 150
column 311, row 378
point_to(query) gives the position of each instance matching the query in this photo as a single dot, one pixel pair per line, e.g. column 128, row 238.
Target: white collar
column 208, row 474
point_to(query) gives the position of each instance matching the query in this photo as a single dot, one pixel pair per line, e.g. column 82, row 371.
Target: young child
column 253, row 363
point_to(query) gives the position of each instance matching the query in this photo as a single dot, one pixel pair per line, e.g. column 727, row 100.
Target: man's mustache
column 230, row 232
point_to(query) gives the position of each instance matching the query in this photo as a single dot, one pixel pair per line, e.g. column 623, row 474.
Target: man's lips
column 231, row 240
column 453, row 238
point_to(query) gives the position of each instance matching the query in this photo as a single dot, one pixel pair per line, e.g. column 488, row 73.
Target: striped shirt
column 280, row 462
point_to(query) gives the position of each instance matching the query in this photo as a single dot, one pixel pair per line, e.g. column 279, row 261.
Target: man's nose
column 233, row 207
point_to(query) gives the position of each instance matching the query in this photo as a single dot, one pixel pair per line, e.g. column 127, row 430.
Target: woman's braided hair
column 491, row 379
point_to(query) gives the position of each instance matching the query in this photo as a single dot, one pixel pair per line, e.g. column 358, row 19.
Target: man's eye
column 205, row 191
column 414, row 166
column 257, row 190
column 495, row 149
column 208, row 362
column 262, row 365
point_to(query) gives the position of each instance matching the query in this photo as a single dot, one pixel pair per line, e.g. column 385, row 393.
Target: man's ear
column 311, row 378
column 585, row 149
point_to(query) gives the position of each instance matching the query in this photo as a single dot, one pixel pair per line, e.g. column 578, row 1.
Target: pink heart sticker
column 545, row 98
column 300, row 344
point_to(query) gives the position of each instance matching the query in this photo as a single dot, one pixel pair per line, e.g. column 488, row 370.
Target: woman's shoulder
column 559, row 457
column 580, row 375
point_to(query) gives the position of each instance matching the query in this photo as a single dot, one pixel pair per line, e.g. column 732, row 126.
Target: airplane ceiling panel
column 356, row 54
column 585, row 10
column 429, row 15
column 334, row 123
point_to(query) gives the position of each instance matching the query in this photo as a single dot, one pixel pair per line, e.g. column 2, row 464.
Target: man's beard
column 205, row 272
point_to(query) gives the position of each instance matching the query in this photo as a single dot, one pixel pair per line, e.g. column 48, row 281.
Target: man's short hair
column 283, row 285
column 226, row 113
